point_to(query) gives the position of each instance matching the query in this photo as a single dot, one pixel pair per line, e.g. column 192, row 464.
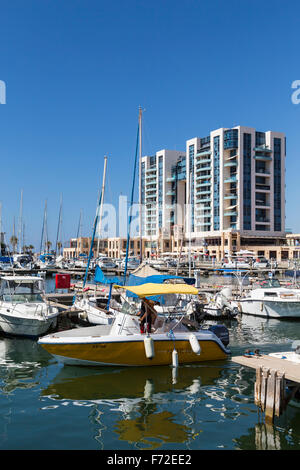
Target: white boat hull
column 95, row 346
column 93, row 315
column 269, row 308
column 22, row 326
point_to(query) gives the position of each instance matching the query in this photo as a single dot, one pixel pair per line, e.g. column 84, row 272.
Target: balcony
column 170, row 179
column 202, row 193
column 203, row 216
column 262, row 220
column 151, row 170
column 205, row 183
column 202, row 177
column 230, row 213
column 232, row 179
column 202, row 162
column 207, row 199
column 230, row 196
column 204, row 168
column 261, row 203
column 151, row 190
column 262, row 171
column 232, row 163
column 170, row 193
column 262, row 187
column 199, row 224
column 262, row 148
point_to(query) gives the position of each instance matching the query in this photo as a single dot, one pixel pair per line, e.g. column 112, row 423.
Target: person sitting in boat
column 148, row 315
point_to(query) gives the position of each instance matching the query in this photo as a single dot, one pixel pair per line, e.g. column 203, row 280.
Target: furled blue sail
column 102, row 279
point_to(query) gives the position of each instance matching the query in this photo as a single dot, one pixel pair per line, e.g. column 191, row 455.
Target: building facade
column 236, row 182
column 224, row 193
column 226, row 190
column 160, row 180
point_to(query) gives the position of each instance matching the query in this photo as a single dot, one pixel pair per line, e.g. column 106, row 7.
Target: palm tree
column 48, row 245
column 14, row 242
column 59, row 245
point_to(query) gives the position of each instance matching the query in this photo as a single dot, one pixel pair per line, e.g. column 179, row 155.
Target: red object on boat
column 63, row 281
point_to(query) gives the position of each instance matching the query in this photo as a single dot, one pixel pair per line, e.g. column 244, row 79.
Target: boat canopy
column 22, row 279
column 157, row 279
column 6, row 259
column 150, row 289
column 46, row 257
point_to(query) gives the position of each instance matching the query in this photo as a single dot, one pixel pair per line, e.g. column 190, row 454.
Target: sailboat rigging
column 96, row 221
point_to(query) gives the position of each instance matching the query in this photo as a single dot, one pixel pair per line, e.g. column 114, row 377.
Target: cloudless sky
column 77, row 71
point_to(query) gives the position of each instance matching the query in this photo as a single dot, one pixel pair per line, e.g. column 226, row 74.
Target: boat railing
column 42, row 311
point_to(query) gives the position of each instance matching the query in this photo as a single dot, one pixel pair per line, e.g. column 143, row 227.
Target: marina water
column 47, row 406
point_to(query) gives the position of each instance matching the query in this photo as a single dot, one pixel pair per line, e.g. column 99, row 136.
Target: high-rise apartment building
column 226, row 186
column 236, row 181
column 162, row 182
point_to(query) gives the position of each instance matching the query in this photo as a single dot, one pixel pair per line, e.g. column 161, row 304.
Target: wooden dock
column 272, row 376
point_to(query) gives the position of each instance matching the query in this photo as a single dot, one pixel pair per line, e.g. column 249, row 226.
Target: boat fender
column 174, row 358
column 261, row 306
column 194, row 344
column 149, row 347
column 86, row 289
column 82, row 315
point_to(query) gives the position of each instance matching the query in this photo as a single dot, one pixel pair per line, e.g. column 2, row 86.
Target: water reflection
column 201, row 406
column 145, row 399
column 21, row 361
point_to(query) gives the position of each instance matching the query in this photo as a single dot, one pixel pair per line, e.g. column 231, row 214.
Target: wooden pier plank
column 290, row 369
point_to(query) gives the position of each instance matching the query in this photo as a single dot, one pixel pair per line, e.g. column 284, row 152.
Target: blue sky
column 77, row 71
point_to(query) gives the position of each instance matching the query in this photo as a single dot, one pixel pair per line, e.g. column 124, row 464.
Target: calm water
column 45, row 405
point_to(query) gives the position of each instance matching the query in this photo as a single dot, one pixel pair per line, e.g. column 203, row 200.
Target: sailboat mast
column 58, row 226
column 1, row 228
column 20, row 222
column 140, row 183
column 101, row 205
column 44, row 228
column 94, row 230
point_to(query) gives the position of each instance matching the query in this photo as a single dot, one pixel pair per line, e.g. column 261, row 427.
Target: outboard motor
column 221, row 332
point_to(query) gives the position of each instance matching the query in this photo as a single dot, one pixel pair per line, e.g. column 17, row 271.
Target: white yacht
column 92, row 310
column 132, row 263
column 23, row 311
column 269, row 299
column 106, row 263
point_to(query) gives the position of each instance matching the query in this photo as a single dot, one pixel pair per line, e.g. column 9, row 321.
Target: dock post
column 269, row 392
column 270, row 398
column 264, row 382
column 279, row 393
column 257, row 387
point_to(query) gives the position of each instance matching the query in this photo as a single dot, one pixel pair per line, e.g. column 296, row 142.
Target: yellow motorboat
column 169, row 341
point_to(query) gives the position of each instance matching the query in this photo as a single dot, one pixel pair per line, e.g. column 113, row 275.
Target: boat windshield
column 17, row 292
column 268, row 283
column 128, row 308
